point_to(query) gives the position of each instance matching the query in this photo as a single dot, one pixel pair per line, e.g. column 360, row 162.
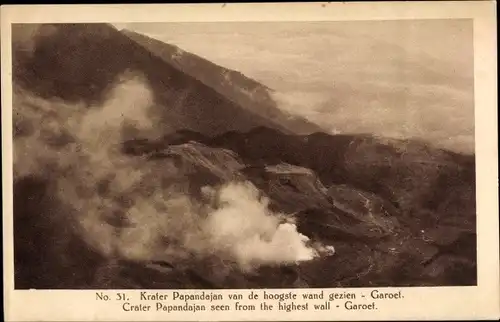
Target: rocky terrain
column 136, row 162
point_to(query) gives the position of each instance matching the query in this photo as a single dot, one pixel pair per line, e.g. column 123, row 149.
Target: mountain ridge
column 232, row 84
column 81, row 62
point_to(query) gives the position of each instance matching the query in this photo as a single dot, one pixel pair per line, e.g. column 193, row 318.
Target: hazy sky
column 393, row 78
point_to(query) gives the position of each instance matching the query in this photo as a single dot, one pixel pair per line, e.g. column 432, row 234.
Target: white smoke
column 244, row 227
column 101, row 186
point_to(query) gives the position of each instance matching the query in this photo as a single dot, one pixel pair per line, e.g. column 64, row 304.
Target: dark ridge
column 363, row 162
column 190, row 61
column 232, row 84
column 429, row 178
column 141, row 146
column 81, row 62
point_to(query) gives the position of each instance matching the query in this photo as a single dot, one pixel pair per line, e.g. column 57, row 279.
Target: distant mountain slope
column 410, row 174
column 80, row 62
column 242, row 90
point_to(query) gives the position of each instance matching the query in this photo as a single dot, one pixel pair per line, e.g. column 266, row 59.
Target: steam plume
column 244, row 227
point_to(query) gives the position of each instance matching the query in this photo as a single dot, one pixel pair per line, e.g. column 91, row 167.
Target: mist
column 397, row 78
column 120, row 205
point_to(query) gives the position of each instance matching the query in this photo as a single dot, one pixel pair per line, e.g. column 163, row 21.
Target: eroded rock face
column 248, row 93
column 376, row 242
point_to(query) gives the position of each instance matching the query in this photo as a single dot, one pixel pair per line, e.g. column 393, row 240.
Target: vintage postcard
column 228, row 162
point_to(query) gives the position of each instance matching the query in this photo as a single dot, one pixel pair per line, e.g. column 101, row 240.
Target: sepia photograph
column 236, row 155
column 210, row 162
column 244, row 155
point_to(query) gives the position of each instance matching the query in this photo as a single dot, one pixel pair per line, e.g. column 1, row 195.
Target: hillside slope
column 81, row 62
column 233, row 85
